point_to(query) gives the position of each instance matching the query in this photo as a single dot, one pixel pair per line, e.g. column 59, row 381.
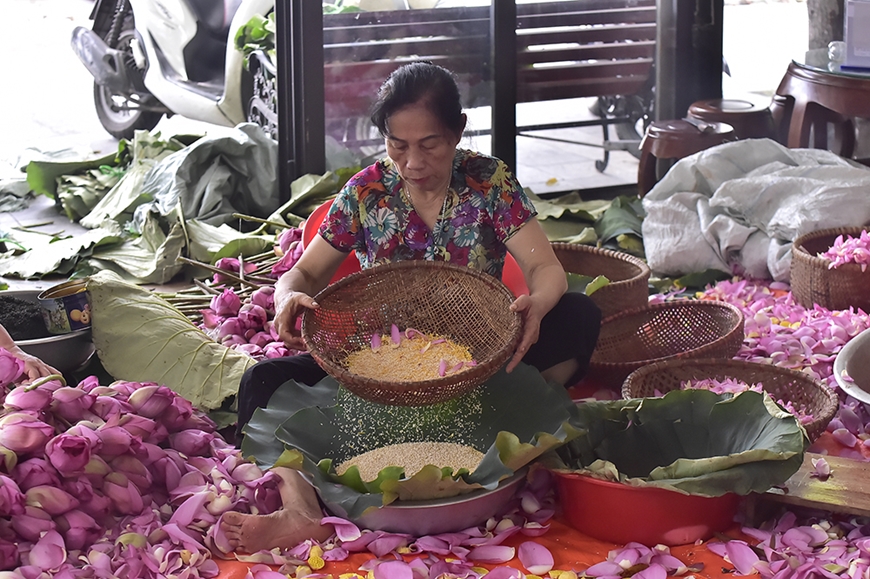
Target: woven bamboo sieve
column 467, row 306
column 629, row 276
column 677, row 329
column 806, row 393
column 813, row 283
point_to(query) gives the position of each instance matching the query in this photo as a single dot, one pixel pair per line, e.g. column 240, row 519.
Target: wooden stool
column 675, row 140
column 750, row 120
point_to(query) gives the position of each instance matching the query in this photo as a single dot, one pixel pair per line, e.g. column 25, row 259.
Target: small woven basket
column 629, row 276
column 467, row 306
column 807, row 394
column 670, row 330
column 813, row 283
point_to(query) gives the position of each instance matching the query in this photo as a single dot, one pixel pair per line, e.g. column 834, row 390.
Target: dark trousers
column 569, row 330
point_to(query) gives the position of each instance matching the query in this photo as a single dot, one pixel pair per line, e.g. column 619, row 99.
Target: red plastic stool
column 511, row 275
column 675, row 140
column 749, row 120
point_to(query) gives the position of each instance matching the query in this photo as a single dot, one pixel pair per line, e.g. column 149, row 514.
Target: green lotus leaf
column 692, row 441
column 512, row 418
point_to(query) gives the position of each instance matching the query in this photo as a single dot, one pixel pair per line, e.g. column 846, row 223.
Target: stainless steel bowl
column 854, row 359
column 65, row 352
column 432, row 517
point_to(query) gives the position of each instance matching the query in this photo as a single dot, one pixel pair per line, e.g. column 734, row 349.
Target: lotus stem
column 224, row 273
column 40, row 381
column 263, row 221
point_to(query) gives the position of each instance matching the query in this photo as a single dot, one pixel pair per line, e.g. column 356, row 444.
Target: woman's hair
column 420, row 82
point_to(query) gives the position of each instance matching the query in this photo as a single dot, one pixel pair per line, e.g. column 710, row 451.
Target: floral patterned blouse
column 485, row 207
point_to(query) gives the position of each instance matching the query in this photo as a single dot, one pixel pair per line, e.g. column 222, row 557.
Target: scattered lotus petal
column 505, row 572
column 395, row 334
column 492, row 554
column 535, row 557
column 605, row 568
column 821, row 469
column 741, row 556
column 393, row 570
column 653, row 571
column 49, row 552
column 344, row 529
column 376, row 341
column 442, row 367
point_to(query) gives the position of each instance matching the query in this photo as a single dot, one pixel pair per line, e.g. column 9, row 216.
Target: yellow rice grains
column 421, row 357
column 413, row 456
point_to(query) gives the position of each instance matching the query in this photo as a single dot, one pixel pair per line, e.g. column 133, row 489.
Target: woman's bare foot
column 298, row 520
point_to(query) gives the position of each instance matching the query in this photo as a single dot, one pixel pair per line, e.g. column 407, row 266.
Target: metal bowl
column 432, row 517
column 854, row 360
column 64, row 352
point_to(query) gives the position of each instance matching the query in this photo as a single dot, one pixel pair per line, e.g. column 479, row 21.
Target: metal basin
column 854, row 359
column 432, row 517
column 65, row 352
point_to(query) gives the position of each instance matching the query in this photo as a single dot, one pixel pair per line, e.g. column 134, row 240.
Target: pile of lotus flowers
column 124, row 480
column 848, row 249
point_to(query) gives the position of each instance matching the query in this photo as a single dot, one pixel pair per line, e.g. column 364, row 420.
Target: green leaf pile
column 512, row 418
column 690, row 441
column 141, row 337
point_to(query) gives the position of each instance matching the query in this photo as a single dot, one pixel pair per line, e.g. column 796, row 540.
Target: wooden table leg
column 799, row 127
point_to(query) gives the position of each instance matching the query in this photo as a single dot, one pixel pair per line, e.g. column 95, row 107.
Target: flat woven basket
column 813, row 283
column 670, row 330
column 465, row 305
column 629, row 276
column 807, row 395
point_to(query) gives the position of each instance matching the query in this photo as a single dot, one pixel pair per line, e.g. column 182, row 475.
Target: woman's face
column 422, row 148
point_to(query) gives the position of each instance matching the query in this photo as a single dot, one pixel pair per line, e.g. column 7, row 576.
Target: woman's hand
column 287, row 312
column 34, row 367
column 532, row 312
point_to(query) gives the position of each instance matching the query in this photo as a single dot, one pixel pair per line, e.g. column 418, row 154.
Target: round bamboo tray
column 465, row 305
column 808, row 396
column 629, row 276
column 812, row 282
column 671, row 330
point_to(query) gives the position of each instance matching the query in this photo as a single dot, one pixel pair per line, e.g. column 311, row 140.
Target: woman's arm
column 294, row 289
column 546, row 280
column 33, row 366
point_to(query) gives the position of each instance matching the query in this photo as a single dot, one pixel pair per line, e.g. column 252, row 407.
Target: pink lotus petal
column 654, row 571
column 48, row 552
column 265, row 572
column 395, row 334
column 845, row 437
column 505, row 573
column 535, row 557
column 533, row 529
column 741, row 556
column 393, row 570
column 376, row 341
column 387, row 543
column 457, row 367
column 344, row 529
column 605, row 568
column 362, row 543
column 432, row 544
column 442, row 367
column 410, row 333
column 492, row 554
column 821, row 469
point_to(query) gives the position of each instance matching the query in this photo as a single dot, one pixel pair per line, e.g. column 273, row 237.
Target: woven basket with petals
column 807, row 395
column 670, row 330
column 629, row 276
column 469, row 307
column 812, row 282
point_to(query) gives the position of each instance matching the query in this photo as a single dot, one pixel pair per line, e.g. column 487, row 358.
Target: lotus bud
column 11, row 498
column 72, row 404
column 35, row 472
column 230, row 327
column 252, row 316
column 199, row 421
column 32, row 523
column 22, row 398
column 288, row 236
column 249, row 349
column 23, row 433
column 210, row 319
column 126, row 498
column 247, row 472
column 114, row 441
column 191, row 442
column 49, row 551
column 107, row 407
column 169, row 469
column 151, row 401
column 233, row 340
column 265, row 298
column 134, row 470
column 138, row 426
column 287, row 261
column 126, row 388
column 226, row 304
column 179, row 411
column 79, row 487
column 260, row 339
column 158, row 435
column 9, row 459
column 275, row 350
column 99, row 507
column 11, row 368
column 78, row 529
column 88, row 384
column 68, row 453
column 88, row 431
column 8, row 555
column 53, row 500
column 248, row 334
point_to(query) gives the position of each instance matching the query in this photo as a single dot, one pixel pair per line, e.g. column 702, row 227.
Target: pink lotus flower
column 22, row 398
column 260, row 339
column 231, row 265
column 288, row 237
column 265, row 298
column 88, row 384
column 151, row 401
column 126, row 498
column 191, row 442
column 139, row 426
column 24, row 433
column 11, row 498
column 107, row 407
column 78, row 529
column 11, row 368
column 98, row 506
column 52, row 500
column 178, row 412
column 230, row 327
column 114, row 441
column 68, row 453
column 72, row 404
column 252, row 316
column 226, row 304
column 35, row 472
column 233, row 340
column 288, row 260
column 131, row 467
column 250, row 349
column 8, row 555
column 32, row 523
column 210, row 319
column 80, row 487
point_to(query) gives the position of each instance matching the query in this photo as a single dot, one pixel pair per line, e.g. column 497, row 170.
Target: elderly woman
column 427, row 200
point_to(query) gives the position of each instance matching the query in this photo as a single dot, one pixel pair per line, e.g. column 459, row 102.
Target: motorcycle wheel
column 120, row 122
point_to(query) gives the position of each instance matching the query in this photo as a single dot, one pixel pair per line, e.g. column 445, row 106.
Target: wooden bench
column 572, row 49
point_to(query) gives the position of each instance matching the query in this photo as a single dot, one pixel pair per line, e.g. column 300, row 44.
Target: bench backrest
column 578, row 48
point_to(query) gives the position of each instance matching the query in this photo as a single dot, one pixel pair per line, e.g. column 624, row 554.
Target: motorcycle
column 155, row 57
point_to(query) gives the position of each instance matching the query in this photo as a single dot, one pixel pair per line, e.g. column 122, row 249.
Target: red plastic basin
column 620, row 513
